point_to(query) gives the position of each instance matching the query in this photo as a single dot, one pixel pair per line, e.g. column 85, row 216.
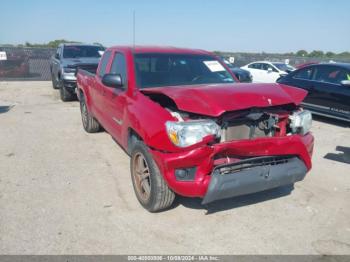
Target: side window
column 58, row 52
column 330, row 74
column 119, row 67
column 104, row 63
column 259, row 66
column 267, row 66
column 255, row 66
column 273, row 69
column 304, row 74
column 252, row 66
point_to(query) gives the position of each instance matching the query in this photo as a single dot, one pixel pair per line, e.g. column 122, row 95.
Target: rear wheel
column 90, row 124
column 150, row 188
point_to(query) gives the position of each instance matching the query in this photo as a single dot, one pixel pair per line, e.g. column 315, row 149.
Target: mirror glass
column 112, row 80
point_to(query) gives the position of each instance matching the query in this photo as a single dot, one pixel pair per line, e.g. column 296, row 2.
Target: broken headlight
column 300, row 122
column 188, row 133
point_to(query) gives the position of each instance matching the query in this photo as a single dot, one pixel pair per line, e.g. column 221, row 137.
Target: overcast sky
column 225, row 25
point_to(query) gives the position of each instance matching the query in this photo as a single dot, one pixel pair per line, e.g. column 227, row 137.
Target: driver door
column 115, row 98
column 97, row 88
column 269, row 74
column 255, row 70
column 332, row 95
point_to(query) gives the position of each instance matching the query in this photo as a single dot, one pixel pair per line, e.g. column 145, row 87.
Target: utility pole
column 134, row 20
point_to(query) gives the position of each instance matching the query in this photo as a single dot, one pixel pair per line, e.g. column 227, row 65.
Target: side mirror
column 345, row 83
column 269, row 70
column 57, row 56
column 112, row 80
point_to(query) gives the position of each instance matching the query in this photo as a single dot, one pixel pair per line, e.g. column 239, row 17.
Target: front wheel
column 150, row 188
column 65, row 94
column 55, row 84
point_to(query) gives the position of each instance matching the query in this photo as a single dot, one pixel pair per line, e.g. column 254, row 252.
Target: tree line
column 321, row 54
column 299, row 53
column 51, row 44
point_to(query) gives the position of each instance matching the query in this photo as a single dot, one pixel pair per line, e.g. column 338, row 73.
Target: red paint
column 147, row 118
column 215, row 99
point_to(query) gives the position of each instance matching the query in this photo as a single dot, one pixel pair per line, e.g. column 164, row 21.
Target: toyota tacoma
column 191, row 129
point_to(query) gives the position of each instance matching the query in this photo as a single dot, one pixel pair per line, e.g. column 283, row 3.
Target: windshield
column 77, row 51
column 155, row 70
column 284, row 67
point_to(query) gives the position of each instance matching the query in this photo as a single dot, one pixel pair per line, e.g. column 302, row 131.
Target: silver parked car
column 65, row 63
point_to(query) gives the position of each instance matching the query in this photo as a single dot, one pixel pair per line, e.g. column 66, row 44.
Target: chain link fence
column 25, row 63
column 33, row 64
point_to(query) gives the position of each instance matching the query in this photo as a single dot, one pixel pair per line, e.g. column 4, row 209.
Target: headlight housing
column 69, row 70
column 300, row 122
column 183, row 134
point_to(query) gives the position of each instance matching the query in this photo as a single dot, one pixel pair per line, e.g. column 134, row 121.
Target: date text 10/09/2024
column 173, row 258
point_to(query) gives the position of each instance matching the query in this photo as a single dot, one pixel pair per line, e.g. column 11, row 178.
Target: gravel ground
column 63, row 191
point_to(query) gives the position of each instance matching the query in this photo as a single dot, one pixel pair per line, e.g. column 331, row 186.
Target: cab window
column 119, row 67
column 104, row 63
column 58, row 52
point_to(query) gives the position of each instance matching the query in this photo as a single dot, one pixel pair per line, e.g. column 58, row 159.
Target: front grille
column 252, row 162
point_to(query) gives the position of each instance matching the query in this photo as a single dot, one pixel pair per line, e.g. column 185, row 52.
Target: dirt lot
column 63, row 191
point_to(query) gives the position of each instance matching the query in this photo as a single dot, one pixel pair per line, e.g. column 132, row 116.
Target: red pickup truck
column 190, row 127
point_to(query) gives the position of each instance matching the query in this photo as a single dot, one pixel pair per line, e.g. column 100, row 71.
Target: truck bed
column 85, row 78
column 87, row 68
column 86, row 72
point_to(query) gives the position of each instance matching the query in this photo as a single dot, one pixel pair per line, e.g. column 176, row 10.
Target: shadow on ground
column 342, row 156
column 5, row 109
column 236, row 202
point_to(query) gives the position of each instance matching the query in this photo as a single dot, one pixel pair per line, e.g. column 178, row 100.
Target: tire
column 150, row 188
column 65, row 95
column 90, row 124
column 54, row 82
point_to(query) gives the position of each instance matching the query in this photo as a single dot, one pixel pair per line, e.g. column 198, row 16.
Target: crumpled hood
column 215, row 99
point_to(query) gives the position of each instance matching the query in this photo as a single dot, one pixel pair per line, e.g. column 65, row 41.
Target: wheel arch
column 132, row 138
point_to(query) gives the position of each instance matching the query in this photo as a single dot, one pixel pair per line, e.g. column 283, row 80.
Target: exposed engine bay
column 248, row 126
column 245, row 124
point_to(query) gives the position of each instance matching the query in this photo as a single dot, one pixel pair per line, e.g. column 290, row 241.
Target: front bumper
column 69, row 82
column 70, row 85
column 254, row 179
column 203, row 159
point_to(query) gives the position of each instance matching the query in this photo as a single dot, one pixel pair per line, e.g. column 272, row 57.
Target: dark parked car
column 328, row 87
column 244, row 76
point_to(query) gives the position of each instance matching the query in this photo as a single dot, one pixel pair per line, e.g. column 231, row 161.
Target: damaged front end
column 235, row 153
column 253, row 175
